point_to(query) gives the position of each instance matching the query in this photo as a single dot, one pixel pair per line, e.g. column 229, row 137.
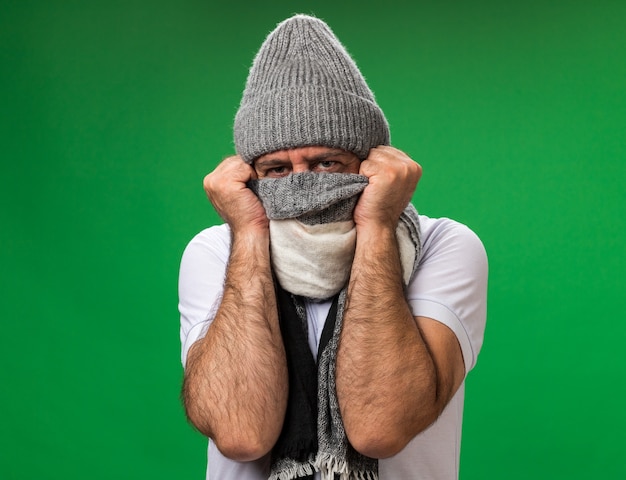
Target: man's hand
column 234, row 201
column 393, row 177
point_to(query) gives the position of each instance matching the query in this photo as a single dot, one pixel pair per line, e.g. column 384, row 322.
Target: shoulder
column 444, row 236
column 203, row 264
column 210, row 241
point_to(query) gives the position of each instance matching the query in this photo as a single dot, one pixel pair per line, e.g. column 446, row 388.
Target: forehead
column 305, row 153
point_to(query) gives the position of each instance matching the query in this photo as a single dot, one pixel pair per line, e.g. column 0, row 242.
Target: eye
column 326, row 165
column 279, row 171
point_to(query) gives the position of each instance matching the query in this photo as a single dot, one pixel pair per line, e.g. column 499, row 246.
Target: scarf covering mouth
column 312, row 241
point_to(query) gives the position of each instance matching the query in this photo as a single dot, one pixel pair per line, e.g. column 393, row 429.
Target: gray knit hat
column 304, row 89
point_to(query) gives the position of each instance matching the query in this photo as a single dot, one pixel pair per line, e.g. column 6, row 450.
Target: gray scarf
column 311, row 226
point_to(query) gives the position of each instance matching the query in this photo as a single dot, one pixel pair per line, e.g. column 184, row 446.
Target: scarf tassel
column 289, row 469
column 329, row 466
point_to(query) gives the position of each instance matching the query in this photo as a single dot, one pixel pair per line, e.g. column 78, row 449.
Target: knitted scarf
column 312, row 238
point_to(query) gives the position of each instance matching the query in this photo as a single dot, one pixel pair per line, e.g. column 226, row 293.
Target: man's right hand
column 232, row 199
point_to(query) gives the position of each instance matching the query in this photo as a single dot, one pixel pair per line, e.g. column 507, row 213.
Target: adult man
column 321, row 247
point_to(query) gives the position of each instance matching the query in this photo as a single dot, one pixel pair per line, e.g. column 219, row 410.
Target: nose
column 300, row 167
column 299, row 163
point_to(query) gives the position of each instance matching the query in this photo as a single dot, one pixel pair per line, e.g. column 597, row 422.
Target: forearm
column 235, row 386
column 386, row 378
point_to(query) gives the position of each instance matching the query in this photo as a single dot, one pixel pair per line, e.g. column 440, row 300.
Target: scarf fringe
column 290, row 469
column 329, row 465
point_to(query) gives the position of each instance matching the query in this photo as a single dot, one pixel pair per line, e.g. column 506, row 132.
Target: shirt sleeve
column 450, row 285
column 201, row 283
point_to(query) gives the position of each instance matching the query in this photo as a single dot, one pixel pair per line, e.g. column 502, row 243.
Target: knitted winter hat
column 304, row 89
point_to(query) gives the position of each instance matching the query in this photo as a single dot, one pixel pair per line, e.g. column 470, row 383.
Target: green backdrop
column 113, row 112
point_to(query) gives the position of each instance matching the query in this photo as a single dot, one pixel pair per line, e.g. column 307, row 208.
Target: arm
column 235, row 385
column 395, row 373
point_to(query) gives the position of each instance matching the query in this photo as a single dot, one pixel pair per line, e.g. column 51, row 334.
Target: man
column 326, row 328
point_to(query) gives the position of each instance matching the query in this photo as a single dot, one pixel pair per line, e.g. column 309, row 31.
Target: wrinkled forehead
column 307, row 153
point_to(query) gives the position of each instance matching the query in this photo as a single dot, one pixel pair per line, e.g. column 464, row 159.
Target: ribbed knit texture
column 304, row 89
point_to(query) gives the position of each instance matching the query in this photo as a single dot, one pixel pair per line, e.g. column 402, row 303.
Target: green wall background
column 113, row 112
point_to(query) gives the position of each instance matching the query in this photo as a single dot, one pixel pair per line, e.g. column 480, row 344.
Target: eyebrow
column 271, row 162
column 325, row 155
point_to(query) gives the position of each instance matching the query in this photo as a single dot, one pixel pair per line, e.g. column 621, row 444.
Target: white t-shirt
column 450, row 286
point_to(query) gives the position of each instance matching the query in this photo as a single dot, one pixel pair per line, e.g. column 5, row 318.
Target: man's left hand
column 393, row 177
